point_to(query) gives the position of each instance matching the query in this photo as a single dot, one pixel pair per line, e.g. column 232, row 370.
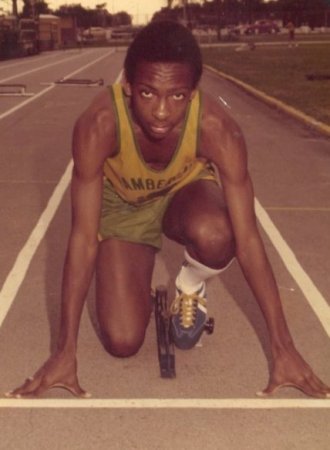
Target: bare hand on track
column 58, row 371
column 290, row 370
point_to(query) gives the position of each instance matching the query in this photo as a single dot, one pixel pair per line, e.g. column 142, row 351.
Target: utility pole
column 185, row 18
column 218, row 6
column 14, row 9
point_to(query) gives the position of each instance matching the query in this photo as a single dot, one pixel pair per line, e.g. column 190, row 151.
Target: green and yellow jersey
column 132, row 179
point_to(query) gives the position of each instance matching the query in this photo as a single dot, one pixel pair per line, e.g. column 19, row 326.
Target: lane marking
column 315, row 299
column 25, row 102
column 224, row 102
column 26, row 61
column 17, row 274
column 297, row 208
column 167, row 403
column 44, row 91
column 36, row 69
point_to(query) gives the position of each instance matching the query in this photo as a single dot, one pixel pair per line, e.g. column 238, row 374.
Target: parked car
column 262, row 27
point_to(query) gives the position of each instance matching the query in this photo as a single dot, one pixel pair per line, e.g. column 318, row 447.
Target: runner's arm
column 231, row 161
column 92, row 139
column 225, row 146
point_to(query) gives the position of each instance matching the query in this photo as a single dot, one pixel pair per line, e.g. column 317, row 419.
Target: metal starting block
column 165, row 345
column 14, row 90
column 79, row 82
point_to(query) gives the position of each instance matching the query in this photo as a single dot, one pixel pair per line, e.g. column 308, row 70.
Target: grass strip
column 281, row 72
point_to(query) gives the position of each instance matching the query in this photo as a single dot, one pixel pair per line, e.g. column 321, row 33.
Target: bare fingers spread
column 311, row 386
column 35, row 388
column 55, row 373
column 32, row 389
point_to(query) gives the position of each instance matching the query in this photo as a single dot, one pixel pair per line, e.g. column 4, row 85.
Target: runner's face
column 160, row 95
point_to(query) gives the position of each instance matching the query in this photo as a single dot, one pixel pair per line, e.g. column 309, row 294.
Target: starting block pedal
column 165, row 345
column 14, row 90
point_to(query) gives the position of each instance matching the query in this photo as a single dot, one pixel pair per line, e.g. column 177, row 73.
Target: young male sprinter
column 142, row 167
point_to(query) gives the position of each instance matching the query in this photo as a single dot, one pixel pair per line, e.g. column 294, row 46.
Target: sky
column 141, row 10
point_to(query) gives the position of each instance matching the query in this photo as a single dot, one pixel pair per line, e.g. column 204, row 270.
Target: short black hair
column 164, row 41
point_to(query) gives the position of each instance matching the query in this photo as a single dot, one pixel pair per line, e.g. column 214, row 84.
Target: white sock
column 193, row 274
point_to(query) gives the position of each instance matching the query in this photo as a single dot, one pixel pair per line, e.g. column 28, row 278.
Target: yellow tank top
column 131, row 177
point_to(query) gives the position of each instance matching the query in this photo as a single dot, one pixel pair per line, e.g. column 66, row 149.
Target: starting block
column 165, row 345
column 14, row 90
column 84, row 82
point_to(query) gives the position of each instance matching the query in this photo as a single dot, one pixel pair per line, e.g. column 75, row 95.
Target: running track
column 211, row 403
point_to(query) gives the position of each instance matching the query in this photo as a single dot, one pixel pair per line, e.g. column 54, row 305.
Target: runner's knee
column 212, row 239
column 120, row 344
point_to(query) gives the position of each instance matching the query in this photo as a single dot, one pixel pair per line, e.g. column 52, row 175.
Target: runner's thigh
column 198, row 201
column 197, row 217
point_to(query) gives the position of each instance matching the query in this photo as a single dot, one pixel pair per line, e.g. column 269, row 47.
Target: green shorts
column 141, row 223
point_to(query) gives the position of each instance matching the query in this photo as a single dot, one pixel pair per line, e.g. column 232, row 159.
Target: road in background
column 215, row 383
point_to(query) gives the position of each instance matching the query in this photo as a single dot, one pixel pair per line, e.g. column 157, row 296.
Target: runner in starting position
column 144, row 157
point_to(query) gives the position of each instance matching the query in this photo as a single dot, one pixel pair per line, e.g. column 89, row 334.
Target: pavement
column 212, row 402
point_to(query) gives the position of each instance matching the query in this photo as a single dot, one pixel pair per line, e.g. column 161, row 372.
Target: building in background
column 49, row 32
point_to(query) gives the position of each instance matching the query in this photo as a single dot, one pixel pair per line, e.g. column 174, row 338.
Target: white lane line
column 224, row 102
column 24, row 258
column 29, row 100
column 22, row 263
column 26, row 61
column 36, row 69
column 315, row 299
column 167, row 403
column 44, row 91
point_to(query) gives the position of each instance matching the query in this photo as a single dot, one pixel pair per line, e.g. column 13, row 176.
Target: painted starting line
column 149, row 403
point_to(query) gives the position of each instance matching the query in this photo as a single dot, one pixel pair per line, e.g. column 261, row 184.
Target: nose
column 161, row 110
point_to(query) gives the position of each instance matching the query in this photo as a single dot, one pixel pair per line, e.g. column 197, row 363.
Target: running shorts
column 138, row 223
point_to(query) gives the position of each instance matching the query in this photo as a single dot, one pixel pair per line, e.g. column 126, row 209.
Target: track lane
column 235, row 354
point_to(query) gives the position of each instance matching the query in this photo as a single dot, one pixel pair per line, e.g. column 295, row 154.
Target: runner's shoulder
column 214, row 114
column 99, row 116
column 216, row 121
column 94, row 135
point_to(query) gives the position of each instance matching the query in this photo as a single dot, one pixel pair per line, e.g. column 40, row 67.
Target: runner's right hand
column 58, row 371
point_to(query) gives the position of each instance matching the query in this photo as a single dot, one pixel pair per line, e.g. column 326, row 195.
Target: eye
column 146, row 94
column 178, row 97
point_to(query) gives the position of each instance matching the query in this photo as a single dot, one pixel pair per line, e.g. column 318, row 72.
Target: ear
column 126, row 86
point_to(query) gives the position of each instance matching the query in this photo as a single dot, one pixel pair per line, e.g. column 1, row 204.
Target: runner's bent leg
column 123, row 302
column 197, row 218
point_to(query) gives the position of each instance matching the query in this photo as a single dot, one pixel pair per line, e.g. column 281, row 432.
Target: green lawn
column 280, row 71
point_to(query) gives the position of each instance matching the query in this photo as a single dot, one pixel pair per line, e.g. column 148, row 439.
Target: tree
column 85, row 18
column 309, row 12
column 121, row 18
column 102, row 14
column 33, row 9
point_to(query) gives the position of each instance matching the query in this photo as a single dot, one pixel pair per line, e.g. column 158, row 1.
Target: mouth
column 160, row 130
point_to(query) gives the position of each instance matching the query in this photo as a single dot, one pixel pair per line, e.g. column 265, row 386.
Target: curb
column 308, row 120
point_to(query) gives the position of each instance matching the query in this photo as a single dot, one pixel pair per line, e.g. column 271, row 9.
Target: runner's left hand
column 291, row 370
